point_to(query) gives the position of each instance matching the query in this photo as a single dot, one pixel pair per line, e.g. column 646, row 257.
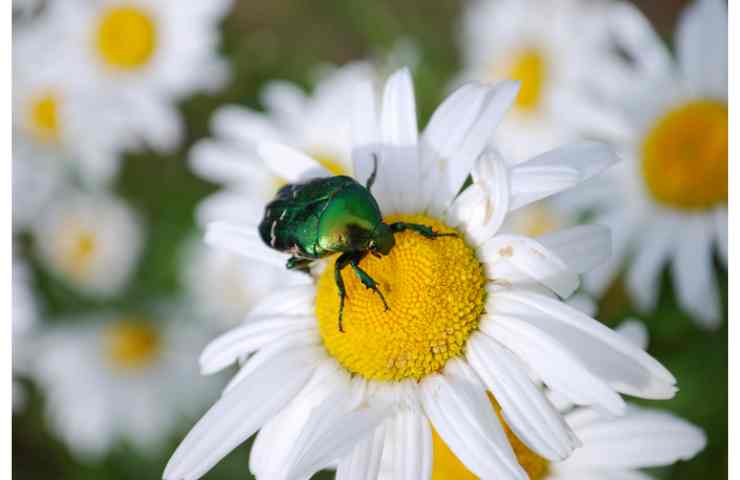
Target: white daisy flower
column 480, row 312
column 90, row 241
column 114, row 377
column 143, row 56
column 57, row 113
column 613, row 447
column 318, row 125
column 225, row 286
column 667, row 204
column 545, row 44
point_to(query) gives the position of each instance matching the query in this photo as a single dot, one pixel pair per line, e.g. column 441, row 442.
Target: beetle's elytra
column 323, row 216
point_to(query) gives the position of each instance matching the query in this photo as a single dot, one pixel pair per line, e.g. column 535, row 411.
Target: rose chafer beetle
column 323, row 216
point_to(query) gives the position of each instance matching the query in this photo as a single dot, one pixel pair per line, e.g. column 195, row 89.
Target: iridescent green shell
column 320, row 217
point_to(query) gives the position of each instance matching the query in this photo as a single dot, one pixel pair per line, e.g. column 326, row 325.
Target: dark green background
column 285, row 39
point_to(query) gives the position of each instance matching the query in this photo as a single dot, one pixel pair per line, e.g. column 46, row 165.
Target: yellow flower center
column 126, row 38
column 77, row 248
column 684, row 156
column 435, row 291
column 529, row 66
column 44, row 117
column 446, row 465
column 132, row 343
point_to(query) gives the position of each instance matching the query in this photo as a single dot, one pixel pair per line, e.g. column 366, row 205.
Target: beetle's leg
column 420, row 229
column 298, row 263
column 366, row 279
column 371, row 178
column 343, row 260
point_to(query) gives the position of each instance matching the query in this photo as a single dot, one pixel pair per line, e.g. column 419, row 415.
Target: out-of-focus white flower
column 119, row 376
column 58, row 114
column 667, row 204
column 317, row 125
column 224, row 286
column 143, row 56
column 548, row 46
column 90, row 241
column 25, row 314
column 479, row 312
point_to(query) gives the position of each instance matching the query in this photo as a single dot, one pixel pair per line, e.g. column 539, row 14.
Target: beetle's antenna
column 371, row 179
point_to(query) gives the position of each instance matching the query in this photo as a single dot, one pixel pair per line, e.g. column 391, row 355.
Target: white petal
column 295, row 300
column 623, row 225
column 285, row 101
column 288, row 163
column 331, row 433
column 532, row 258
column 526, row 409
column 225, row 163
column 634, row 331
column 241, row 341
column 693, row 273
column 236, row 416
column 701, row 45
column 463, row 416
column 652, row 251
column 641, row 438
column 399, row 132
column 498, row 101
column 558, row 368
column 243, row 126
column 627, row 368
column 229, row 206
column 283, row 344
column 633, row 32
column 243, row 240
column 270, row 455
column 412, row 457
column 720, row 221
column 553, row 171
column 582, row 247
column 364, row 461
column 483, row 206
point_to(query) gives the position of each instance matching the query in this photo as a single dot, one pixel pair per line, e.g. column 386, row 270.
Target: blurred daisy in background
column 224, row 286
column 545, row 44
column 143, row 57
column 317, row 125
column 120, row 376
column 92, row 242
column 667, row 204
column 319, row 396
column 25, row 317
column 37, row 177
column 57, row 117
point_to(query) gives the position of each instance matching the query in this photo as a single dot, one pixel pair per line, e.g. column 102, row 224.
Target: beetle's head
column 382, row 240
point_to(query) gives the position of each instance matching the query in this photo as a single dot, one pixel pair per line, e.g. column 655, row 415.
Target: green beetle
column 323, row 216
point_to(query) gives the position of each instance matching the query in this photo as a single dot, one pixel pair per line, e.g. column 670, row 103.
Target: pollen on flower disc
column 435, row 289
column 684, row 156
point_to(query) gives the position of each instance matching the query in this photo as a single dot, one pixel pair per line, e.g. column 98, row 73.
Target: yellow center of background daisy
column 77, row 248
column 684, row 156
column 435, row 291
column 126, row 38
column 446, row 465
column 44, row 117
column 529, row 67
column 132, row 343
